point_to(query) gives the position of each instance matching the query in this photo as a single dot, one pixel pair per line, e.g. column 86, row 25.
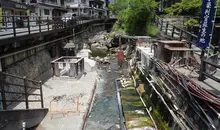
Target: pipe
column 122, row 125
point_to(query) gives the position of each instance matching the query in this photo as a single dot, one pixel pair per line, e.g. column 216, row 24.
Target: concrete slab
column 56, row 89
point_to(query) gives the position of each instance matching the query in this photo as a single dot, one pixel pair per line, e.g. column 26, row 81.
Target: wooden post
column 13, row 23
column 181, row 34
column 190, row 41
column 167, row 24
column 26, row 92
column 48, row 25
column 41, row 95
column 202, row 67
column 83, row 64
column 76, row 69
column 28, row 24
column 56, row 69
column 39, row 24
column 173, row 31
column 161, row 27
column 4, row 105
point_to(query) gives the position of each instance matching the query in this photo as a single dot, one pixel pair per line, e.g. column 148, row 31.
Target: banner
column 206, row 23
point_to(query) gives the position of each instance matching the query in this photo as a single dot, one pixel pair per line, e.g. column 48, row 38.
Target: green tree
column 188, row 7
column 134, row 16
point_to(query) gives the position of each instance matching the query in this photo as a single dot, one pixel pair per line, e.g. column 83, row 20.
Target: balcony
column 50, row 2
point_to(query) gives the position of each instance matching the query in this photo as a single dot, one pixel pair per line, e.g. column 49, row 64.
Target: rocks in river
column 98, row 47
column 100, row 42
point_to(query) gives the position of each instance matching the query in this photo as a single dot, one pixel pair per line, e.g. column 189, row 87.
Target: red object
column 120, row 56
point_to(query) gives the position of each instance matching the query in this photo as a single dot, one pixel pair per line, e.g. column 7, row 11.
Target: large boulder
column 98, row 47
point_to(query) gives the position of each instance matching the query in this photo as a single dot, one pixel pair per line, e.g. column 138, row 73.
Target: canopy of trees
column 134, row 16
column 188, row 7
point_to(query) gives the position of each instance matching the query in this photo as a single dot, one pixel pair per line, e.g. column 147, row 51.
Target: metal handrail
column 191, row 35
column 46, row 22
column 192, row 38
column 173, row 30
column 19, row 77
column 25, row 93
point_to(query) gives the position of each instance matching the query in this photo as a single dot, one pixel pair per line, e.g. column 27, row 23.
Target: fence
column 209, row 66
column 16, row 25
column 175, row 32
column 180, row 34
column 20, row 91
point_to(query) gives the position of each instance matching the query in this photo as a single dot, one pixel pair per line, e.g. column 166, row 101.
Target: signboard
column 206, row 23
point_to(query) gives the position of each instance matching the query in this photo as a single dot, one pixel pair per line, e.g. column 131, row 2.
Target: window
column 83, row 1
column 23, row 1
column 46, row 12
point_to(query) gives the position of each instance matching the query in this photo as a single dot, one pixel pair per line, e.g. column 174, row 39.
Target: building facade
column 88, row 8
column 49, row 8
column 18, row 8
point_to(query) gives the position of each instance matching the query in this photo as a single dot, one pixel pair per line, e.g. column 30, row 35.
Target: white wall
column 42, row 14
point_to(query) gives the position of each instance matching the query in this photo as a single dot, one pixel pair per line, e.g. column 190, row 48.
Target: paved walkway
column 63, row 94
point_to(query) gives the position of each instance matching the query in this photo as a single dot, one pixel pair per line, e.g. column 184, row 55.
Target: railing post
column 39, row 18
column 28, row 24
column 167, row 24
column 216, row 49
column 83, row 64
column 181, row 34
column 48, row 26
column 202, row 67
column 173, row 30
column 26, row 92
column 190, row 41
column 202, row 70
column 41, row 95
column 76, row 68
column 13, row 23
column 4, row 105
column 161, row 27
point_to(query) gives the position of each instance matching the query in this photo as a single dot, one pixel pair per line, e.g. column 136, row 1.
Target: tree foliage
column 134, row 16
column 188, row 7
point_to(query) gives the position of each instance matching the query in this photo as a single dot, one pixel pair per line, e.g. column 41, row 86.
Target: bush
column 191, row 23
column 152, row 30
column 134, row 15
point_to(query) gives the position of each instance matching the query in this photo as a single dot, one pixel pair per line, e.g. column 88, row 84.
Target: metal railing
column 177, row 32
column 209, row 66
column 180, row 34
column 17, row 25
column 174, row 31
column 16, row 89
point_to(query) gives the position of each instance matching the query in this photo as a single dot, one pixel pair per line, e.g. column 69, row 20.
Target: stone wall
column 33, row 66
column 36, row 67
